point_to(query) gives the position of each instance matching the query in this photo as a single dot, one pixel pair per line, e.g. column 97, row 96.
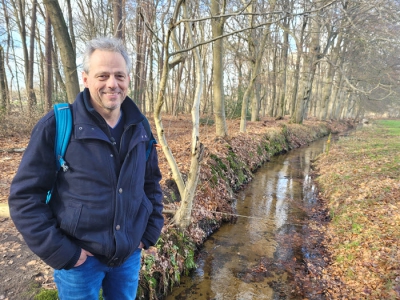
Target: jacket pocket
column 140, row 221
column 147, row 204
column 70, row 218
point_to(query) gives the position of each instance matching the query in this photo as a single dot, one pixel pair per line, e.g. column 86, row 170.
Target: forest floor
column 22, row 273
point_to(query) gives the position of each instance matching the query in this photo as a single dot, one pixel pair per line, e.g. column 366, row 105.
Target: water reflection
column 272, row 204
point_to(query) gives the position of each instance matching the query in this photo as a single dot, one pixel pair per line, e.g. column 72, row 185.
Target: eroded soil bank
column 227, row 167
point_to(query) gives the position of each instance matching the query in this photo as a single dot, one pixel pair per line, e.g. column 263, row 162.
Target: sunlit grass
column 360, row 180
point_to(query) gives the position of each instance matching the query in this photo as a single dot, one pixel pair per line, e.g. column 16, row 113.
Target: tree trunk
column 140, row 58
column 255, row 103
column 48, row 71
column 285, row 49
column 217, row 25
column 177, row 90
column 176, row 175
column 302, row 104
column 182, row 216
column 299, row 48
column 71, row 25
column 68, row 56
column 151, row 80
column 3, row 83
column 17, row 77
column 272, row 110
column 9, row 41
column 31, row 91
column 117, row 16
column 59, row 83
column 20, row 20
column 256, row 53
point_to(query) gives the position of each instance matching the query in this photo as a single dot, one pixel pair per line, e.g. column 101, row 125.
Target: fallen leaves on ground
column 359, row 179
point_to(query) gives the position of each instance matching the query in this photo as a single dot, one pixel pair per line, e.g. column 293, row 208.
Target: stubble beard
column 111, row 106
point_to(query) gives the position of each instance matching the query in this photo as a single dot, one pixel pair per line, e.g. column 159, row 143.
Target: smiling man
column 108, row 206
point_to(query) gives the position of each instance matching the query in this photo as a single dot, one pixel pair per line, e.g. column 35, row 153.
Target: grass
column 52, row 295
column 359, row 177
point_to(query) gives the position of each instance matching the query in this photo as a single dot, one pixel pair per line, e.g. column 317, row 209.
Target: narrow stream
column 249, row 259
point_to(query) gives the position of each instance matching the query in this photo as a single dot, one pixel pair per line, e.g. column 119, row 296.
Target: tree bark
column 3, row 83
column 182, row 216
column 117, row 16
column 302, row 104
column 256, row 53
column 48, row 71
column 217, row 25
column 9, row 42
column 67, row 53
column 176, row 175
column 71, row 25
column 284, row 63
column 31, row 91
column 299, row 48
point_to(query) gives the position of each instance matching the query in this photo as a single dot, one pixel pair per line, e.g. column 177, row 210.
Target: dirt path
column 20, row 269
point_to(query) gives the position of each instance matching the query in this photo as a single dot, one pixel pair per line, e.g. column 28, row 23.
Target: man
column 108, row 206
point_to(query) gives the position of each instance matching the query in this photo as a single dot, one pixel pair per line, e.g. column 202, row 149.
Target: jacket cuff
column 73, row 260
column 146, row 243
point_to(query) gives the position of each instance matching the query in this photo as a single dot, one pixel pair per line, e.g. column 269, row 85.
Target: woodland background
column 326, row 58
column 265, row 61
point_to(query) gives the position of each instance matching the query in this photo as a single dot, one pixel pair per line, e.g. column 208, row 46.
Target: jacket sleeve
column 153, row 191
column 31, row 215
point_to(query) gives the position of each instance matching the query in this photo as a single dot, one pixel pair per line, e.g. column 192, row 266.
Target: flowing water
column 249, row 259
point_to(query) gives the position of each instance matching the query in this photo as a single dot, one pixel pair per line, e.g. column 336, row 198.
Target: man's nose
column 112, row 82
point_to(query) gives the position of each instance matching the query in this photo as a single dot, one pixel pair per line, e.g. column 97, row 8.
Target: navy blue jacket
column 106, row 203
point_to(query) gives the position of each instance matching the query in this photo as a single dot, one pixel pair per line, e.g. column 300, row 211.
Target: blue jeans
column 84, row 282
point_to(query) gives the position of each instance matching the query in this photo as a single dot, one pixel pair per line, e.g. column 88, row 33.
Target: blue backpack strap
column 152, row 140
column 63, row 116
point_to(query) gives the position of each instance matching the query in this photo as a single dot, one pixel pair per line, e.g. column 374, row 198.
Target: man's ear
column 85, row 78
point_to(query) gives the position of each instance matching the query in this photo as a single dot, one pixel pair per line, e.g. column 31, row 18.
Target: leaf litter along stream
column 256, row 257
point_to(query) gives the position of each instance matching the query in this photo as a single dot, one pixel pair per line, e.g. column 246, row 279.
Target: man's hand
column 82, row 257
column 141, row 245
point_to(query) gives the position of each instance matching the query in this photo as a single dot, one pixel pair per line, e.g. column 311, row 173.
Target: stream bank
column 228, row 166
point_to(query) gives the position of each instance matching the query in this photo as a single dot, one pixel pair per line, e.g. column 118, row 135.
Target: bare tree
column 314, row 59
column 68, row 56
column 31, row 92
column 217, row 24
column 182, row 216
column 117, row 15
column 281, row 103
column 48, row 74
column 3, row 83
column 256, row 52
column 71, row 25
column 94, row 19
column 19, row 14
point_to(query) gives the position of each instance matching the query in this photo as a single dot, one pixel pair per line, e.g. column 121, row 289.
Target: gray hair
column 105, row 44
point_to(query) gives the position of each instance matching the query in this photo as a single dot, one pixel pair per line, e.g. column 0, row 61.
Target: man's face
column 107, row 80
